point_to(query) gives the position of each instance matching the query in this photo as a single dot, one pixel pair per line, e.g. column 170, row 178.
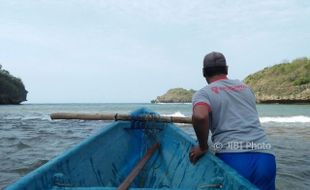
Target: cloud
column 122, row 44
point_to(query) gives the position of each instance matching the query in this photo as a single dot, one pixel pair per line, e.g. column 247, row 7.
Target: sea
column 29, row 138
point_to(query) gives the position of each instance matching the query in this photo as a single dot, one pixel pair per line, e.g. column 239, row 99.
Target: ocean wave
column 277, row 119
column 175, row 114
column 186, row 103
column 43, row 118
column 289, row 119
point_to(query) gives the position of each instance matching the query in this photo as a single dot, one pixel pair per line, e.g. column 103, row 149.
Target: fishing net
column 136, row 116
column 146, row 130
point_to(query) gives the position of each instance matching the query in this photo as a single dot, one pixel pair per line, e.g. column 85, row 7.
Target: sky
column 120, row 51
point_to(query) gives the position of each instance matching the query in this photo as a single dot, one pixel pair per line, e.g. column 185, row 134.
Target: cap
column 214, row 59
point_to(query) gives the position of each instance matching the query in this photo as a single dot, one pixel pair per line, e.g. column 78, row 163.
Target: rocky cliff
column 175, row 95
column 287, row 82
column 282, row 83
column 12, row 89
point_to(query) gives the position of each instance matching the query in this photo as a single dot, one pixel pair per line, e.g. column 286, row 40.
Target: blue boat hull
column 104, row 160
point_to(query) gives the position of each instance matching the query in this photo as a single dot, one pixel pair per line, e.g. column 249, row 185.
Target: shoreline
column 284, row 101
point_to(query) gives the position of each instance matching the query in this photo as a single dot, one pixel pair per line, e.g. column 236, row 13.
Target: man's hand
column 196, row 153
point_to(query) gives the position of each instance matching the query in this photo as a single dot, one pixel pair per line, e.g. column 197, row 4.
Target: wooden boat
column 135, row 154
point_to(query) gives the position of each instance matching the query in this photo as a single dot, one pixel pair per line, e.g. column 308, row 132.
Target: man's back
column 228, row 109
column 234, row 117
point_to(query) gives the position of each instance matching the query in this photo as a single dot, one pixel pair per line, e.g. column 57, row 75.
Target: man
column 227, row 107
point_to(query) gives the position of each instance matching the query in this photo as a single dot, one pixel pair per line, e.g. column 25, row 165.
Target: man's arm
column 200, row 119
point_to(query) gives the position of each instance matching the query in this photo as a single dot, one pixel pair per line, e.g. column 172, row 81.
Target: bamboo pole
column 123, row 117
column 136, row 170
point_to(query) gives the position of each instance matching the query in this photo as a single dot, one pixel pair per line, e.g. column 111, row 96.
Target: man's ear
column 204, row 72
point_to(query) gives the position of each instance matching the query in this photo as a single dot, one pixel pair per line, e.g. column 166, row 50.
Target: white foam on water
column 278, row 119
column 175, row 114
column 289, row 119
column 175, row 103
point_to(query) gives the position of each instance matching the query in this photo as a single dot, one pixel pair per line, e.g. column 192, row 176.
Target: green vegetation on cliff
column 287, row 82
column 12, row 89
column 283, row 83
column 175, row 95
